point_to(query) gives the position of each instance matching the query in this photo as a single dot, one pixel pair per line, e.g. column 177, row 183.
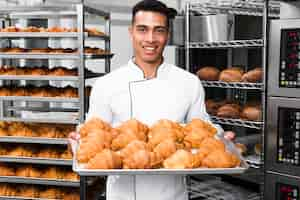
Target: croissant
column 161, row 135
column 220, row 159
column 122, row 140
column 195, row 136
column 6, row 170
column 28, row 191
column 53, row 173
column 212, row 144
column 181, row 159
column 90, row 145
column 140, row 159
column 93, row 124
column 133, row 147
column 199, row 156
column 135, row 127
column 50, row 193
column 165, row 149
column 200, row 124
column 105, row 159
column 165, row 125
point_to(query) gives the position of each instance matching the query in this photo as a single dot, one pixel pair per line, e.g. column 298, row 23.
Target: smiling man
column 148, row 89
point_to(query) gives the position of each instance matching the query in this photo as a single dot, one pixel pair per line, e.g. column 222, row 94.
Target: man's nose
column 150, row 37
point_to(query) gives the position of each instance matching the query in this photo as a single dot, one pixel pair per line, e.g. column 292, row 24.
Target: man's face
column 149, row 34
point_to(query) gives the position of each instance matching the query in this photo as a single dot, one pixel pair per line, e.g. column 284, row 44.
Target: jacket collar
column 161, row 70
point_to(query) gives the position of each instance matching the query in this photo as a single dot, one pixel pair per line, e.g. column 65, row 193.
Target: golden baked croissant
column 50, row 193
column 93, row 124
column 105, row 159
column 70, row 175
column 71, row 195
column 195, row 136
column 181, row 159
column 140, row 159
column 161, row 135
column 165, row 149
column 28, row 191
column 28, row 171
column 90, row 145
column 199, row 156
column 198, row 123
column 5, row 170
column 53, row 173
column 122, row 140
column 136, row 127
column 220, row 159
column 132, row 147
column 7, row 190
column 212, row 144
column 165, row 125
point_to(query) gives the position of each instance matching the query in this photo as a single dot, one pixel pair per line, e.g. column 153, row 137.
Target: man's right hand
column 73, row 140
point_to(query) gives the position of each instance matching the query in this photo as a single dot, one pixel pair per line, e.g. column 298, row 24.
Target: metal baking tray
column 229, row 145
column 38, row 181
column 22, row 198
column 40, row 99
column 33, row 160
column 39, row 56
column 98, row 56
column 49, row 35
column 40, row 120
column 39, row 78
column 33, row 140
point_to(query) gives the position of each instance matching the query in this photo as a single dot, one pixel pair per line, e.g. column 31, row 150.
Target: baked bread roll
column 208, row 73
column 212, row 106
column 30, row 29
column 252, row 113
column 253, row 76
column 233, row 74
column 10, row 29
column 229, row 111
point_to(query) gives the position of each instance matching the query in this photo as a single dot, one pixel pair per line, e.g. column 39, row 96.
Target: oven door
column 284, row 58
column 282, row 137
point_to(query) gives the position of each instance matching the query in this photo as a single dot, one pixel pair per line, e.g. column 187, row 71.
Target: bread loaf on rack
column 233, row 74
column 208, row 73
column 253, row 76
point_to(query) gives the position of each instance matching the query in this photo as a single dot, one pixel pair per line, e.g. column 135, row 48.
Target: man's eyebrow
column 145, row 26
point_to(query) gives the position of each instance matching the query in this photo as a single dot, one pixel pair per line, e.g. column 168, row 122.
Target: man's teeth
column 149, row 48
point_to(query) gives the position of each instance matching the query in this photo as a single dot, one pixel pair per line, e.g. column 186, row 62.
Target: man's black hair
column 154, row 6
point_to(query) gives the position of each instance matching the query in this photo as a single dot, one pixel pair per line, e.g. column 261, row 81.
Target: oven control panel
column 289, row 71
column 287, row 192
column 288, row 150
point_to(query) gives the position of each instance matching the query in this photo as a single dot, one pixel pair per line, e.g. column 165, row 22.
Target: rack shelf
column 31, row 160
column 227, row 44
column 70, row 56
column 236, row 85
column 237, row 122
column 15, row 35
column 40, row 120
column 39, row 99
column 250, row 8
column 33, row 140
column 38, row 181
column 39, row 78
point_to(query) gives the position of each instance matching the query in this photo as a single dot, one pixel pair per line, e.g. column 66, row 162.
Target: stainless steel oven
column 284, row 58
column 282, row 138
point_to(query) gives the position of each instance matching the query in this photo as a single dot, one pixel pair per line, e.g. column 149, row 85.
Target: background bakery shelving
column 245, row 45
column 10, row 104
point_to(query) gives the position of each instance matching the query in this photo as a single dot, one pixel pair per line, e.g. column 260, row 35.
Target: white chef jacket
column 174, row 94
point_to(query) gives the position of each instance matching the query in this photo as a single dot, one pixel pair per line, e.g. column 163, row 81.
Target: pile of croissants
column 166, row 144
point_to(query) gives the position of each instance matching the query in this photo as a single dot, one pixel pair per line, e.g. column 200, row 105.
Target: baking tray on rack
column 33, row 140
column 21, row 198
column 229, row 146
column 49, row 35
column 39, row 56
column 39, row 78
column 40, row 99
column 34, row 160
column 38, row 181
column 98, row 56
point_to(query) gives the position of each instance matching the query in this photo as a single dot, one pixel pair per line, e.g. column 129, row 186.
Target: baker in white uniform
column 148, row 89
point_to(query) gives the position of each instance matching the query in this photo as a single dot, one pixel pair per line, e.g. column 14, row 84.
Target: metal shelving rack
column 78, row 11
column 261, row 8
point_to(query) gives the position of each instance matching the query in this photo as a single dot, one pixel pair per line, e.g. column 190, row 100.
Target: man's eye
column 161, row 30
column 141, row 29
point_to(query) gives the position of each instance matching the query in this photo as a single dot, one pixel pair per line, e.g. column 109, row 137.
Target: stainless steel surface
column 42, row 109
column 271, row 181
column 239, row 7
column 39, row 78
column 38, row 181
column 33, row 140
column 210, row 28
column 177, row 26
column 237, row 85
column 229, row 146
column 38, row 56
column 237, row 122
column 15, row 35
column 274, row 58
column 40, row 120
column 271, row 163
column 107, row 43
column 41, row 99
column 30, row 160
column 187, row 37
column 227, row 44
